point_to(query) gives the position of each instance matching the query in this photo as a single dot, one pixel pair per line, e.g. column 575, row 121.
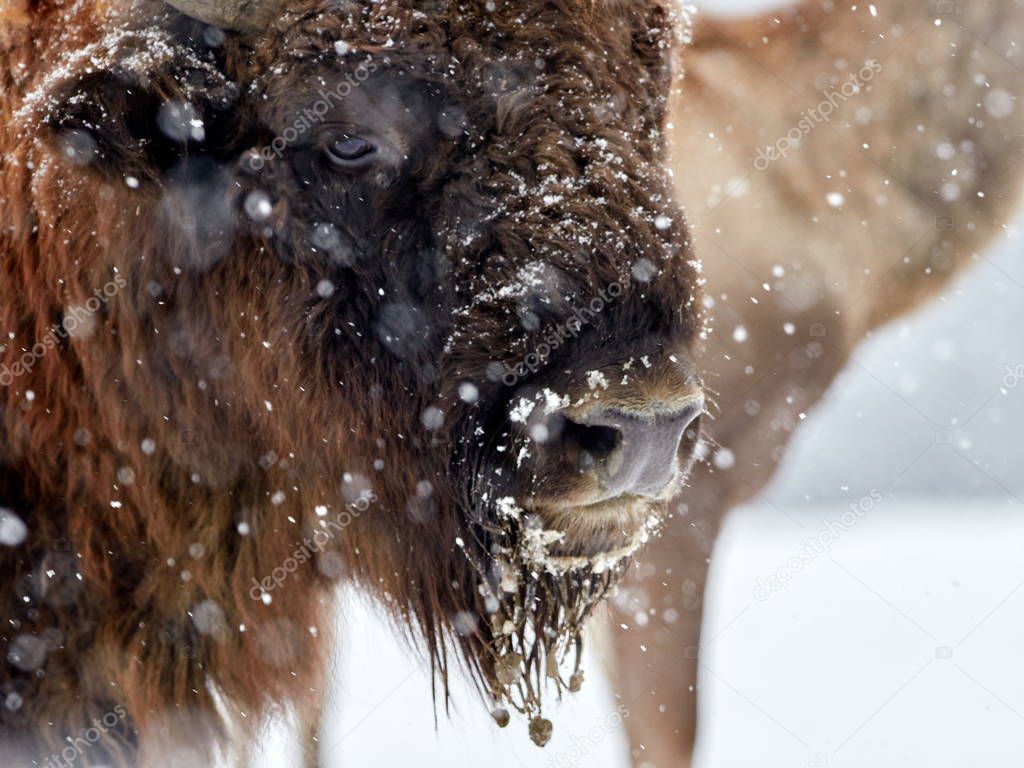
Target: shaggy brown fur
column 280, row 350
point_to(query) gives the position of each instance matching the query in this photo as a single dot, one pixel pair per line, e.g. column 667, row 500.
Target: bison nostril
column 636, row 453
column 587, row 445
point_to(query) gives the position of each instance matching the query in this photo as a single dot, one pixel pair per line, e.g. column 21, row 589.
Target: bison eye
column 350, row 152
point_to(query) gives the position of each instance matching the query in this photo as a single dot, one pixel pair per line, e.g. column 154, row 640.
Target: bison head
column 401, row 280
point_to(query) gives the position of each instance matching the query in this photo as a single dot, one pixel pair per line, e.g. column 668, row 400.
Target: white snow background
column 901, row 646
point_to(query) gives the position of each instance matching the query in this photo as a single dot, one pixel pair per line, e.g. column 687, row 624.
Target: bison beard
column 224, row 389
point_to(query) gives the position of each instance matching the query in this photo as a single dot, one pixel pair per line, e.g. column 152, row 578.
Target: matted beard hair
column 538, row 603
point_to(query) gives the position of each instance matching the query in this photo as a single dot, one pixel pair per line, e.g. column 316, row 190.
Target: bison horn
column 249, row 16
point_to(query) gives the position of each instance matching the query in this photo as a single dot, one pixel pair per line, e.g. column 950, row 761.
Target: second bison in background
column 838, row 165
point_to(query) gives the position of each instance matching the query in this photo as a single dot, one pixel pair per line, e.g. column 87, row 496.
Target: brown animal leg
column 310, row 719
column 896, row 242
column 659, row 657
column 659, row 662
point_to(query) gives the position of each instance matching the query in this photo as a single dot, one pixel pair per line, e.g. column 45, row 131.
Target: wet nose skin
column 635, row 453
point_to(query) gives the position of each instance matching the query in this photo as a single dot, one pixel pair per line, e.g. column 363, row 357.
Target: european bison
column 839, row 164
column 394, row 293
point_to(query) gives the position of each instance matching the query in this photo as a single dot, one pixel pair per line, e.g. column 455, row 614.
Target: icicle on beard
column 538, row 604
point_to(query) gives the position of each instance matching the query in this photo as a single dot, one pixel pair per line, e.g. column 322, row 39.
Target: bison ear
column 119, row 126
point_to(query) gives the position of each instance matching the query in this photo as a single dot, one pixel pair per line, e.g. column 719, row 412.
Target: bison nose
column 635, row 452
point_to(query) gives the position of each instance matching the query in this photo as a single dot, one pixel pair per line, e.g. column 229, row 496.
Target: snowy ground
column 899, row 647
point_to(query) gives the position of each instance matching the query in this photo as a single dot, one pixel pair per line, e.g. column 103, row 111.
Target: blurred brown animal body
column 903, row 183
